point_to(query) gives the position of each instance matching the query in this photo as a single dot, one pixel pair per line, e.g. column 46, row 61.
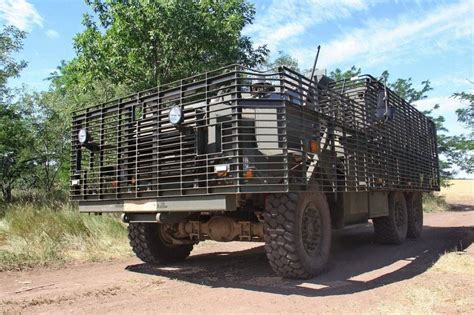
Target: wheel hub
column 165, row 233
column 311, row 230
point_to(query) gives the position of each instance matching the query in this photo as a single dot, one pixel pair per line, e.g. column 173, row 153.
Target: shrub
column 433, row 203
column 40, row 235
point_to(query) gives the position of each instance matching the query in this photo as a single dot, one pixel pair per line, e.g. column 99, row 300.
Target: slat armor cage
column 246, row 131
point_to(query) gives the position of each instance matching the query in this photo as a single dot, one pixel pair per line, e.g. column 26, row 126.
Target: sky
column 421, row 39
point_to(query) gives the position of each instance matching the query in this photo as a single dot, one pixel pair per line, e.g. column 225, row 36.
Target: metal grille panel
column 257, row 128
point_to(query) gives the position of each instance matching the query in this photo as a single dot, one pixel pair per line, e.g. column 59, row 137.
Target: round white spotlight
column 83, row 136
column 176, row 115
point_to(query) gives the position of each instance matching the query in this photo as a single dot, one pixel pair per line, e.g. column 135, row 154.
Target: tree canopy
column 14, row 139
column 339, row 74
column 461, row 147
column 141, row 43
column 11, row 41
column 15, row 145
column 403, row 87
column 466, row 114
column 283, row 60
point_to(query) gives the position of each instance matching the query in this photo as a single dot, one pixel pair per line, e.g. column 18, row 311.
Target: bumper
column 177, row 204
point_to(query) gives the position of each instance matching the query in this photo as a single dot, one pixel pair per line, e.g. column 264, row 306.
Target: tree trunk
column 7, row 193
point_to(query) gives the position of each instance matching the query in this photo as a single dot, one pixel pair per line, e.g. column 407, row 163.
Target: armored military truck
column 237, row 154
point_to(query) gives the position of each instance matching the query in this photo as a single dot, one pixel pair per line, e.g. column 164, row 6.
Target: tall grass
column 32, row 234
column 434, row 203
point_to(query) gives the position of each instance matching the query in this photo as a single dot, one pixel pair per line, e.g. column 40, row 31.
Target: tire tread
column 148, row 246
column 280, row 242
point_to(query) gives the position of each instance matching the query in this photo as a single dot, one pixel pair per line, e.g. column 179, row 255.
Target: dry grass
column 433, row 203
column 455, row 262
column 459, row 191
column 38, row 236
column 447, row 287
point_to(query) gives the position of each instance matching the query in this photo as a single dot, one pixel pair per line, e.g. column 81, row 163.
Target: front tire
column 392, row 229
column 150, row 244
column 297, row 234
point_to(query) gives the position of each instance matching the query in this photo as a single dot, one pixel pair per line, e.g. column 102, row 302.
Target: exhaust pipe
column 140, row 218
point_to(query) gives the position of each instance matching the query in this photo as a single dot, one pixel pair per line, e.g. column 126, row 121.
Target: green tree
column 11, row 41
column 66, row 95
column 460, row 151
column 49, row 147
column 462, row 146
column 405, row 88
column 283, row 60
column 466, row 114
column 338, row 74
column 141, row 44
column 15, row 140
column 15, row 149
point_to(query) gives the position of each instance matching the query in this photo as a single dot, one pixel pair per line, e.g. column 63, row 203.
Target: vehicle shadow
column 357, row 263
column 461, row 207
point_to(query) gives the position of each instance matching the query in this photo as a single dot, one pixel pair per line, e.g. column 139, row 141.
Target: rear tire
column 297, row 234
column 415, row 214
column 392, row 229
column 149, row 243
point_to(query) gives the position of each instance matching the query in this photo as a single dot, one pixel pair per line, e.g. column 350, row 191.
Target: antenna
column 313, row 83
column 315, row 62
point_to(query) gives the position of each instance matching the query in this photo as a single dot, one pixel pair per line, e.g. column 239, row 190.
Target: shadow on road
column 460, row 207
column 357, row 264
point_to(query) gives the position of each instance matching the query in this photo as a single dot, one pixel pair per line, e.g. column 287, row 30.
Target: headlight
column 83, row 136
column 176, row 115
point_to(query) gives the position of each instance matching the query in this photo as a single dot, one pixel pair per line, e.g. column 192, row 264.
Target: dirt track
column 236, row 278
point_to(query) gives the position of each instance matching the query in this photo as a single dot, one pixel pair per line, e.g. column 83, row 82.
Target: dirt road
column 236, row 278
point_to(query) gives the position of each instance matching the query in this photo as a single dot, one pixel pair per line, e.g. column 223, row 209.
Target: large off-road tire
column 149, row 243
column 415, row 214
column 297, row 234
column 392, row 229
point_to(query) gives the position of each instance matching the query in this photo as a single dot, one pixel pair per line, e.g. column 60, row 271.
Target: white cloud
column 446, row 104
column 447, row 108
column 419, row 33
column 20, row 13
column 52, row 34
column 457, row 81
column 284, row 20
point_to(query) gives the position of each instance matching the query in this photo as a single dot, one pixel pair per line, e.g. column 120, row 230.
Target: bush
column 40, row 235
column 433, row 203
